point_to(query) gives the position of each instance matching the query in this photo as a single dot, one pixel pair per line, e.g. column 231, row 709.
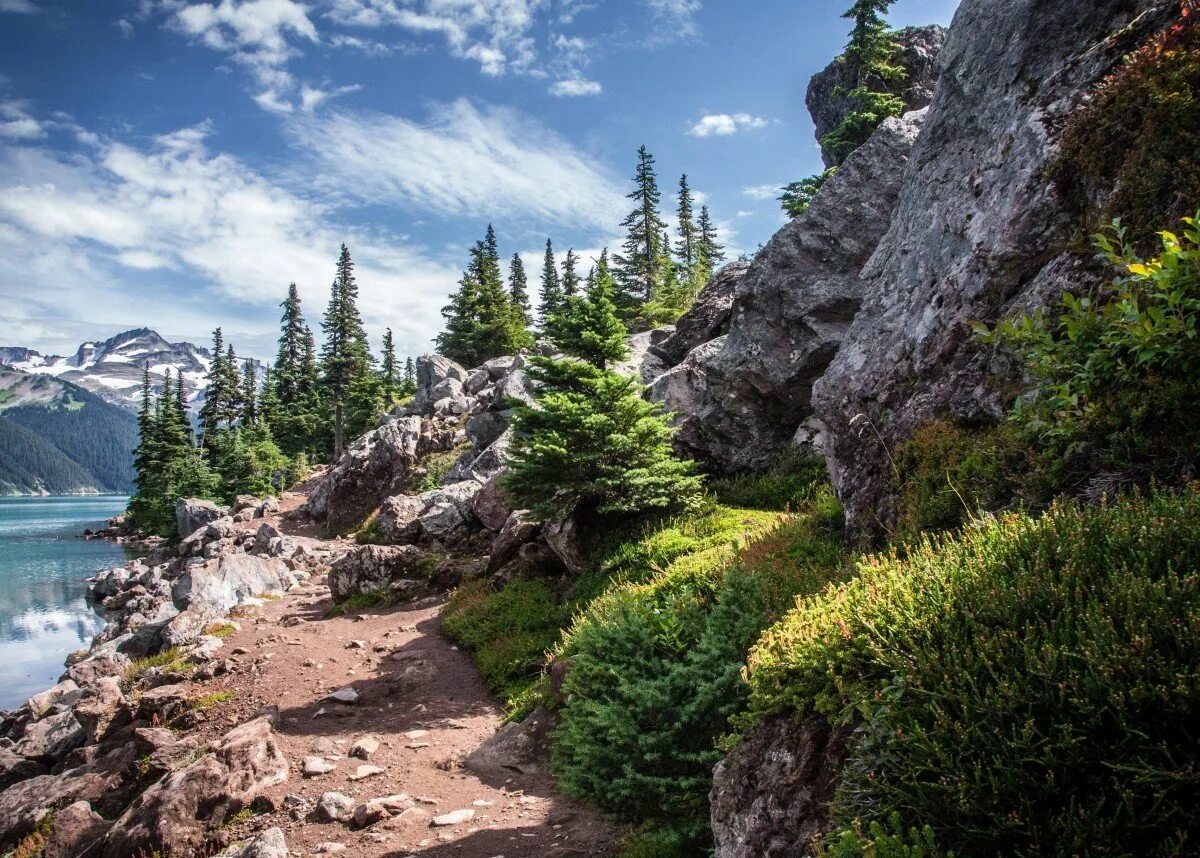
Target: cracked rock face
column 978, row 231
column 739, row 399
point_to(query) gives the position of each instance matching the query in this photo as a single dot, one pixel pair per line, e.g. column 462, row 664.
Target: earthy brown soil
column 421, row 698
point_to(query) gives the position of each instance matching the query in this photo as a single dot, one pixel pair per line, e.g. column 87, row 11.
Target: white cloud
column 125, row 26
column 494, row 33
column 367, row 46
column 679, row 15
column 575, row 86
column 724, row 124
column 312, row 97
column 762, row 192
column 21, row 129
column 208, row 232
column 481, row 162
column 18, row 7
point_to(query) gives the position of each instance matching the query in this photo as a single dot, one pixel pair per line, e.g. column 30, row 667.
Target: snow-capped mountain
column 113, row 369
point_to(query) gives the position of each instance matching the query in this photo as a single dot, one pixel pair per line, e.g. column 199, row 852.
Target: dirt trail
column 421, row 698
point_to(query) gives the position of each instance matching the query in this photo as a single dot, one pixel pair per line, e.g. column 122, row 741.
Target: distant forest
column 83, row 443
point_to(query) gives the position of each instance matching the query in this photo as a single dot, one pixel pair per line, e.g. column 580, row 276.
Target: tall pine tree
column 686, row 247
column 710, row 251
column 551, row 293
column 518, row 287
column 570, row 277
column 345, row 358
column 637, row 268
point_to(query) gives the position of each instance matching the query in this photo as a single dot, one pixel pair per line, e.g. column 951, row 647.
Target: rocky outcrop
column 181, row 813
column 374, row 568
column 740, row 398
column 193, row 513
column 978, row 231
column 919, row 47
column 708, row 317
column 376, row 466
column 770, row 795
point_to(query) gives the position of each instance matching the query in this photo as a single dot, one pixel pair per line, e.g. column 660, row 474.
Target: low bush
column 1030, row 685
column 655, row 667
column 794, row 478
column 508, row 631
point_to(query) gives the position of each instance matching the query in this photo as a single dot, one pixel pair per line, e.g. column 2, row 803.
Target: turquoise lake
column 43, row 561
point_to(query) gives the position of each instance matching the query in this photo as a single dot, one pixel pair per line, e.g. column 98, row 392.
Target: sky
column 175, row 164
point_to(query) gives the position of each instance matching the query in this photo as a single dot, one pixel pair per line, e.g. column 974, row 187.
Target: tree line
column 256, row 436
column 654, row 280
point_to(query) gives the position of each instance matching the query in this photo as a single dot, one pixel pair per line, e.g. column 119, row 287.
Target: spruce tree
column 637, row 267
column 518, row 287
column 345, row 358
column 290, row 356
column 482, row 319
column 410, row 377
column 685, row 248
column 458, row 336
column 213, row 410
column 231, row 387
column 593, row 444
column 551, row 292
column 389, row 372
column 570, row 278
column 249, row 397
column 710, row 251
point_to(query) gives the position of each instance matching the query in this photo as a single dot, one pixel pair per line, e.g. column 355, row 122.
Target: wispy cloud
column 464, row 160
column 762, row 192
column 575, row 86
column 725, row 124
column 18, row 7
column 16, row 123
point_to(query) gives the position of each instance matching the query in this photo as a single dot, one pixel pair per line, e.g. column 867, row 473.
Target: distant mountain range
column 68, row 424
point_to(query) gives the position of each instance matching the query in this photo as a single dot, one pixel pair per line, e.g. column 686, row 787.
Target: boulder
column 102, row 708
column 828, row 99
column 431, row 371
column 499, row 367
column 268, row 844
column 335, row 807
column 397, row 522
column 373, row 567
column 490, row 504
column 14, row 767
column 517, row 530
column 770, row 795
column 708, row 317
column 514, row 388
column 376, row 466
column 791, row 313
column 563, row 539
column 193, row 513
column 51, row 738
column 75, row 833
column 40, row 703
column 183, row 813
column 483, row 429
column 442, row 520
column 977, row 233
column 208, row 591
column 514, row 748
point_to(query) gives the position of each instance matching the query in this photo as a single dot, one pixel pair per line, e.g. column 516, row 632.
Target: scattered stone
column 335, row 807
column 454, row 817
column 364, row 747
column 329, row 847
column 345, row 695
column 268, row 844
column 314, row 766
column 363, row 772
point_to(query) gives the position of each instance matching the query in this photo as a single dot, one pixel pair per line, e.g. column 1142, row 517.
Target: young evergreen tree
column 458, row 336
column 249, row 399
column 289, row 358
column 570, row 277
column 213, row 410
column 518, row 287
column 482, row 319
column 710, row 251
column 345, row 358
column 389, row 373
column 268, row 400
column 685, row 248
column 593, row 444
column 410, row 377
column 231, row 386
column 637, row 267
column 551, row 292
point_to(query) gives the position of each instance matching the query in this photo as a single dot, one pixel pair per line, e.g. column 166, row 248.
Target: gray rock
column 483, row 429
column 707, row 319
column 268, row 844
column 364, row 747
column 316, row 766
column 517, row 530
column 977, row 231
column 563, row 539
column 51, row 738
column 793, row 309
column 372, row 567
column 206, row 592
column 192, row 513
column 770, row 795
column 104, row 707
column 490, row 504
column 397, row 519
column 14, row 767
column 442, row 520
column 335, row 807
column 514, row 388
column 514, row 748
column 40, row 703
column 827, row 101
column 477, row 380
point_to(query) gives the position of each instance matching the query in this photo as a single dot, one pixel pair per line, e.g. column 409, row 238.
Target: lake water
column 43, row 615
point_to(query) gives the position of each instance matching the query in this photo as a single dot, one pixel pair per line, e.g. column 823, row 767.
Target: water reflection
column 43, row 613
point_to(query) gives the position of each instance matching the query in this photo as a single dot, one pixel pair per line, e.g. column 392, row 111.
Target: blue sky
column 175, row 164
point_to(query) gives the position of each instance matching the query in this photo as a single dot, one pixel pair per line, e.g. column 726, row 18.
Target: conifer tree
column 685, row 248
column 290, row 356
column 249, row 398
column 710, row 251
column 213, row 410
column 636, row 267
column 458, row 336
column 518, row 287
column 295, row 415
column 551, row 292
column 570, row 278
column 345, row 358
column 410, row 377
column 592, row 444
column 482, row 319
column 231, row 387
column 268, row 401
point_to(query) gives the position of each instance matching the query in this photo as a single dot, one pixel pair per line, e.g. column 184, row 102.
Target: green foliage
column 508, row 631
column 249, row 462
column 221, row 630
column 169, row 661
column 377, row 598
column 1132, row 151
column 946, row 474
column 879, row 841
column 791, row 480
column 1033, row 681
column 348, row 381
column 208, row 701
column 1113, row 379
column 436, row 466
column 656, row 666
column 483, row 320
column 797, row 196
column 637, row 268
column 655, row 842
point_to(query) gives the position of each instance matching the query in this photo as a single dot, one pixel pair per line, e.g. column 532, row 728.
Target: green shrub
column 1115, row 379
column 508, row 631
column 1132, row 151
column 879, row 841
column 656, row 669
column 654, row 842
column 947, row 474
column 169, row 661
column 379, row 597
column 1032, row 684
column 792, row 479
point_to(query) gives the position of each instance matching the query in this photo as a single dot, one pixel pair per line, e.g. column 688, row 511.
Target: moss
column 369, row 533
column 1132, row 151
column 32, row 844
column 436, row 466
column 244, row 815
